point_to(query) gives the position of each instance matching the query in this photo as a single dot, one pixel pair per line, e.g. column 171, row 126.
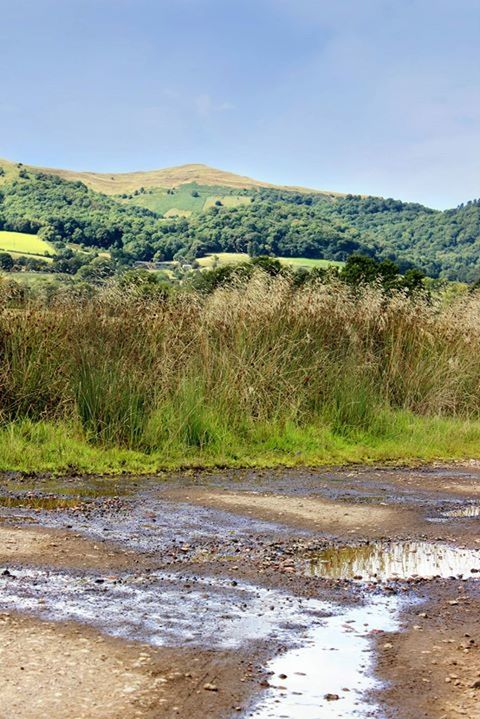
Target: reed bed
column 248, row 363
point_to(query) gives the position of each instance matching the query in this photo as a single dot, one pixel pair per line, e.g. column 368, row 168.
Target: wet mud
column 290, row 593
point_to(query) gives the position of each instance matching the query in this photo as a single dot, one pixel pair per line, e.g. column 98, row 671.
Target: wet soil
column 288, row 593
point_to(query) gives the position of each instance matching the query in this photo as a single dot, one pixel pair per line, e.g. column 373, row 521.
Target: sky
column 375, row 97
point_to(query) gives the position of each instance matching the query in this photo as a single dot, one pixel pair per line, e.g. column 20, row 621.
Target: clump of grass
column 259, row 367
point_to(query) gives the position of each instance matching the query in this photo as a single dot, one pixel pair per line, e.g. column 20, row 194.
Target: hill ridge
column 115, row 183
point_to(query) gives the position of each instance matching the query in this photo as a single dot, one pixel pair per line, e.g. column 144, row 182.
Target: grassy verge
column 258, row 374
column 62, row 448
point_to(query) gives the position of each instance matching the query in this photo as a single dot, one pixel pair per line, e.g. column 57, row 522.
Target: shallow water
column 41, row 502
column 161, row 608
column 332, row 655
column 335, row 659
column 470, row 511
column 381, row 561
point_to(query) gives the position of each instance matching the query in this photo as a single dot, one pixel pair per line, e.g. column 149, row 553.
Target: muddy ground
column 302, row 594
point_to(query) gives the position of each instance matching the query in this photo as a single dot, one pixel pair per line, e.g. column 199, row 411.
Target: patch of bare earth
column 306, row 512
column 66, row 671
column 433, row 667
column 50, row 671
column 39, row 546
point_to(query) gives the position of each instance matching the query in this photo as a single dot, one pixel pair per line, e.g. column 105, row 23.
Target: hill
column 192, row 219
column 170, row 177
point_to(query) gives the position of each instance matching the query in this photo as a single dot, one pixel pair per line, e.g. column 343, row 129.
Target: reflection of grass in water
column 39, row 502
column 471, row 511
column 402, row 560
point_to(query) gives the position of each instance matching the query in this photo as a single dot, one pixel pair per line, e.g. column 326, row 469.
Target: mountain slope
column 129, row 182
column 191, row 219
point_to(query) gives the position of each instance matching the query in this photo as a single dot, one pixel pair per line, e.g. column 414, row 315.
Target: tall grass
column 261, row 364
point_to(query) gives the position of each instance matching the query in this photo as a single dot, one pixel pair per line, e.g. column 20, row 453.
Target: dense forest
column 275, row 222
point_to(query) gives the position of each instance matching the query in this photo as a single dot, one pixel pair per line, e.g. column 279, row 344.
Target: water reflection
column 388, row 560
column 471, row 510
column 330, row 676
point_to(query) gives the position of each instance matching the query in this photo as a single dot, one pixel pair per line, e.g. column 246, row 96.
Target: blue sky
column 368, row 96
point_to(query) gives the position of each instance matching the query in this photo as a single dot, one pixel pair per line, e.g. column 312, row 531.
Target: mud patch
column 383, row 561
column 315, row 513
column 40, row 546
column 47, row 671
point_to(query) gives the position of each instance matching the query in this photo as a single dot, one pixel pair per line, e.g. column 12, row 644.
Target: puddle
column 41, row 502
column 335, row 660
column 332, row 655
column 161, row 608
column 380, row 561
column 468, row 512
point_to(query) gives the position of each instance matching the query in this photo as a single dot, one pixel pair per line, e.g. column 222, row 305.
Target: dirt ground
column 222, row 529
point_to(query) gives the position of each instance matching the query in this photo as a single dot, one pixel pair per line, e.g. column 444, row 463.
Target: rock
column 210, row 687
column 331, row 697
column 476, row 684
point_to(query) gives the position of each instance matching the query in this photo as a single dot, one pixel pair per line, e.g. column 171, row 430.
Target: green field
column 186, row 200
column 20, row 243
column 234, row 258
column 227, row 201
column 309, row 263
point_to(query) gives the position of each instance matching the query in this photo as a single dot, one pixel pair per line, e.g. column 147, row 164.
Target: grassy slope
column 232, row 258
column 21, row 243
column 117, row 183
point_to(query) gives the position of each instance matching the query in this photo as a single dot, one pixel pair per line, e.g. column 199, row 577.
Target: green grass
column 309, row 263
column 227, row 201
column 20, row 243
column 186, row 200
column 258, row 373
column 223, row 258
column 60, row 447
column 234, row 258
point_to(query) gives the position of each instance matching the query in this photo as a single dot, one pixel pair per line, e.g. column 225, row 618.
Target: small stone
column 331, row 697
column 210, row 687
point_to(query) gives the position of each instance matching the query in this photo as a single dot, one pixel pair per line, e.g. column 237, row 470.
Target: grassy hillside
column 170, row 177
column 21, row 243
column 199, row 216
column 232, row 258
column 185, row 200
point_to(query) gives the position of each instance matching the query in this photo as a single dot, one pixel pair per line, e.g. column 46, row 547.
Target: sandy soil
column 49, row 671
column 313, row 513
column 67, row 671
column 433, row 666
column 37, row 545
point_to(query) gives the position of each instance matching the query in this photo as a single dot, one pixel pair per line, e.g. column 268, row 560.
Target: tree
column 6, row 261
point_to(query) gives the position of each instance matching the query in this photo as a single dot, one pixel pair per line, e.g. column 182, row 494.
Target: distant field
column 175, row 212
column 228, row 201
column 186, row 200
column 36, row 279
column 310, row 263
column 222, row 258
column 232, row 258
column 20, row 243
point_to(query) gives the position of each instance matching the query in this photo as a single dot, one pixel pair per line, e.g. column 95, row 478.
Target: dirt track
column 173, row 596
